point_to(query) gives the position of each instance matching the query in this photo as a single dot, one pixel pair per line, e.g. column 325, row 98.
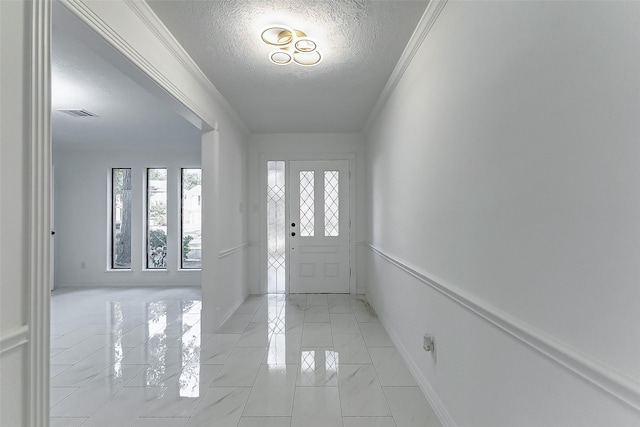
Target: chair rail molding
column 227, row 252
column 14, row 339
column 601, row 375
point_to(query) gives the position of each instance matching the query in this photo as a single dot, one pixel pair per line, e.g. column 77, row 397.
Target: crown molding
column 162, row 33
column 427, row 21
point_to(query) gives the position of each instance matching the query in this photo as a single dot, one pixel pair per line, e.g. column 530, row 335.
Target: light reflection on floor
column 137, row 357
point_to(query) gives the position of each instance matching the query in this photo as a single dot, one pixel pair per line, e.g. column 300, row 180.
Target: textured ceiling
column 128, row 115
column 361, row 42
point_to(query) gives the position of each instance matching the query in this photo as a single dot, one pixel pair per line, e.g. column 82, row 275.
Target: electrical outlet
column 429, row 343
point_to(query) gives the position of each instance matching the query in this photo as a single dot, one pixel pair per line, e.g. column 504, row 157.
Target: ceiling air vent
column 79, row 113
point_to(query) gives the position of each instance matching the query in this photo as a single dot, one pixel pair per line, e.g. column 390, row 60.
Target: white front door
column 319, row 226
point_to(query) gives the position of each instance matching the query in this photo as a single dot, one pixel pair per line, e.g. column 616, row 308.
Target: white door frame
column 262, row 194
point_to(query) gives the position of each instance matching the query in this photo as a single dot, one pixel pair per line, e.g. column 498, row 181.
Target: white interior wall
column 15, row 33
column 228, row 278
column 150, row 51
column 82, row 214
column 504, row 167
column 303, row 146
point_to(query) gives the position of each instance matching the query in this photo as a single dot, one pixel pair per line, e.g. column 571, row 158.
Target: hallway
column 136, row 357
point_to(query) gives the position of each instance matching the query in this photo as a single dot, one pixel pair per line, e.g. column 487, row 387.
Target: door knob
column 293, row 224
column 293, row 233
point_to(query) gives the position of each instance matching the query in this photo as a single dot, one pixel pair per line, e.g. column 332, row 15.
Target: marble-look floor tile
column 265, row 422
column 375, row 335
column 123, row 409
column 58, row 394
column 316, row 407
column 391, row 369
column 317, row 299
column 338, row 299
column 283, row 349
column 293, row 323
column 73, row 338
column 317, row 335
column 66, row 422
column 316, row 313
column 183, row 395
column 251, row 305
column 368, row 422
column 318, row 367
column 344, row 323
column 360, row 392
column 216, row 349
column 79, row 374
column 351, row 348
column 220, row 407
column 56, row 369
column 272, row 393
column 139, row 359
column 84, row 401
column 236, row 324
column 340, row 307
column 55, row 351
column 158, row 373
column 241, row 368
column 410, row 408
column 256, row 335
column 161, row 422
column 365, row 314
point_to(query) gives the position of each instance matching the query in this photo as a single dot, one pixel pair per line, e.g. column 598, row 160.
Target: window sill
column 154, row 270
column 118, row 270
column 189, row 270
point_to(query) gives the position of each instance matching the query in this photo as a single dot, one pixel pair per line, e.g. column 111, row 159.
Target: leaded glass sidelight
column 276, row 249
column 331, row 203
column 307, row 216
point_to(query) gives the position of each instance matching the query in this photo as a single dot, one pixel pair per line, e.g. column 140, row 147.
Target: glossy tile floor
column 136, row 357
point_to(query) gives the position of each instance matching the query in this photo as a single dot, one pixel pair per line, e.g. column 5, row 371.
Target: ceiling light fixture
column 293, row 46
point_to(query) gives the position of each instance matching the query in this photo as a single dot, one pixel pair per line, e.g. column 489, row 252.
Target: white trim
column 15, row 338
column 604, row 376
column 151, row 20
column 40, row 215
column 231, row 251
column 429, row 17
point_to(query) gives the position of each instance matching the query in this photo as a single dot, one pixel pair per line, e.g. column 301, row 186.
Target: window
column 120, row 218
column 191, row 218
column 331, row 204
column 156, row 218
column 307, row 207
